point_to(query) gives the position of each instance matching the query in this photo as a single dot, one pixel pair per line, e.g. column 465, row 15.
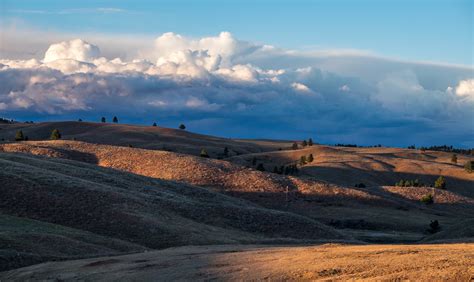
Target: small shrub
column 304, row 143
column 260, row 167
column 427, row 199
column 310, row 142
column 55, row 135
column 440, row 183
column 226, row 151
column 454, row 159
column 303, row 160
column 154, row 124
column 254, row 161
column 469, row 166
column 182, row 127
column 204, row 153
column 310, row 158
column 294, row 146
column 360, row 185
column 19, row 136
column 434, row 227
column 79, row 120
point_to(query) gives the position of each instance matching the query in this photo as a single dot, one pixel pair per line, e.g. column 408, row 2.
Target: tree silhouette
column 55, row 135
column 440, row 182
column 182, row 126
column 115, row 120
column 454, row 159
column 204, row 153
column 19, row 136
column 102, row 119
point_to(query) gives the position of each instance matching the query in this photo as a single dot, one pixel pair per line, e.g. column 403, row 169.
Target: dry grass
column 452, row 262
column 394, row 212
column 107, row 198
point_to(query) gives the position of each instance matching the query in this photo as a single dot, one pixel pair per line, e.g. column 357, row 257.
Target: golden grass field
column 109, row 189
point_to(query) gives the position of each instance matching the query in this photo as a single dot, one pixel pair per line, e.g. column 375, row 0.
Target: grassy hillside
column 376, row 213
column 139, row 210
column 332, row 262
column 24, row 241
column 149, row 137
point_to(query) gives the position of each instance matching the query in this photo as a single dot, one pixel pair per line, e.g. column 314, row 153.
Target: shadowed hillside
column 149, row 137
column 376, row 213
column 148, row 212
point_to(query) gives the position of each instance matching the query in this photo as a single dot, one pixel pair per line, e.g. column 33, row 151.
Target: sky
column 369, row 72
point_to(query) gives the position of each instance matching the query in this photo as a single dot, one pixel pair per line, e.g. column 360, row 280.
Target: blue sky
column 368, row 72
column 438, row 31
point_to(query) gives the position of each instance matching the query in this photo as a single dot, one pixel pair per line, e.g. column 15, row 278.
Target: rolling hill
column 112, row 189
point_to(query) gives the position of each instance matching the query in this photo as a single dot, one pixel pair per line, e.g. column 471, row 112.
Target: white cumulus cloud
column 230, row 81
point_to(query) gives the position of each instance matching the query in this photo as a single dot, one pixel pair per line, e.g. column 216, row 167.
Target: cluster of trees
column 306, row 159
column 357, row 146
column 19, row 136
column 289, row 169
column 307, row 143
column 303, row 144
column 409, row 183
column 445, row 148
column 104, row 120
column 439, row 183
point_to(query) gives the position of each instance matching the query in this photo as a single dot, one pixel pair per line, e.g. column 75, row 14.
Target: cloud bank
column 229, row 87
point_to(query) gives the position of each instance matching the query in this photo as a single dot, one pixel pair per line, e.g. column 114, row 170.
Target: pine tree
column 115, row 120
column 154, row 124
column 469, row 166
column 440, row 183
column 79, row 120
column 19, row 136
column 226, row 151
column 294, row 146
column 55, row 135
column 454, row 159
column 103, row 120
column 303, row 160
column 310, row 158
column 204, row 153
column 310, row 142
column 427, row 199
column 182, row 126
column 305, row 143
